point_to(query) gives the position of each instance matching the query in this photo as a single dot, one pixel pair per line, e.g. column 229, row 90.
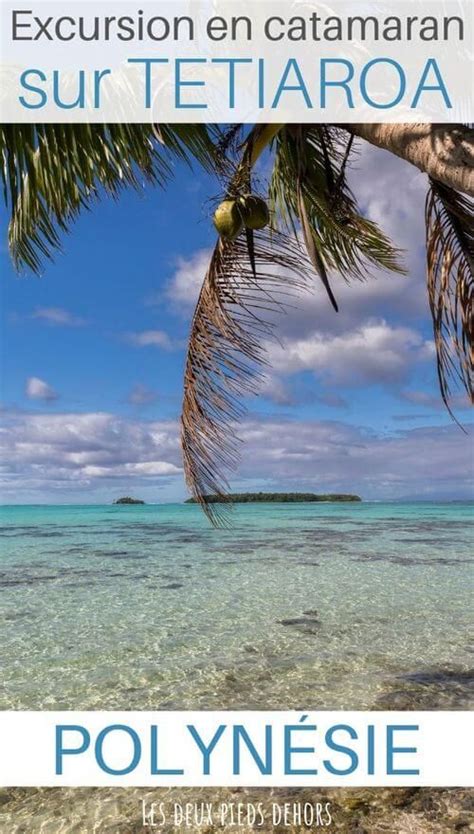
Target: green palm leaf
column 51, row 172
column 309, row 186
column 450, row 260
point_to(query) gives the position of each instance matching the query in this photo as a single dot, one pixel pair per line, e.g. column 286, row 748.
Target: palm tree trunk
column 443, row 151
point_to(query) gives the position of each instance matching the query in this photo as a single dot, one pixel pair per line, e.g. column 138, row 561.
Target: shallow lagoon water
column 342, row 606
column 297, row 606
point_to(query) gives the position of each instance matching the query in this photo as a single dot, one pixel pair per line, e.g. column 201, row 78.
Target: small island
column 279, row 497
column 128, row 500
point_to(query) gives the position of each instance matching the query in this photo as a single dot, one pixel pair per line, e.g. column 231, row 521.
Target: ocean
column 334, row 606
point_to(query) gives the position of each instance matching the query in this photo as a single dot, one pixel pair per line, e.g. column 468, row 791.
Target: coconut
column 255, row 212
column 228, row 219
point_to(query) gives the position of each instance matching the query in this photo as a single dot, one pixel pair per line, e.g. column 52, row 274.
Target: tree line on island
column 279, row 497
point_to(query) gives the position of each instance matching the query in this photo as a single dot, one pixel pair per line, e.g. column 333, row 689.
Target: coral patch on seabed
column 306, row 624
column 430, row 689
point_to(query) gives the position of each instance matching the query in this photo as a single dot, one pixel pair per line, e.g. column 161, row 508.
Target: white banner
column 237, row 748
column 237, row 61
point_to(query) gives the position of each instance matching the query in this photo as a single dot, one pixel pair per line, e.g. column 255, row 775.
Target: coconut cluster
column 231, row 216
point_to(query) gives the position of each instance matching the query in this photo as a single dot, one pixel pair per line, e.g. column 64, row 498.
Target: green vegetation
column 128, row 500
column 278, row 497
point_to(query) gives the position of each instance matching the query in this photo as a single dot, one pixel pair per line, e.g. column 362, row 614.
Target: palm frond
column 226, row 354
column 450, row 261
column 245, row 283
column 311, row 247
column 309, row 174
column 51, row 172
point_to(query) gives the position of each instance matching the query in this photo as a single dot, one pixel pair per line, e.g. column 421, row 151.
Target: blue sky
column 94, row 353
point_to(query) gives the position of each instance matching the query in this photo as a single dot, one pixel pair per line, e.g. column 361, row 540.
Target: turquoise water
column 297, row 606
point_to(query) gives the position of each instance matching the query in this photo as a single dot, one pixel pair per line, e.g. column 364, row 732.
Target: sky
column 93, row 355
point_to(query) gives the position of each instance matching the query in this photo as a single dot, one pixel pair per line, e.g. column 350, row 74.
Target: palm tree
column 315, row 228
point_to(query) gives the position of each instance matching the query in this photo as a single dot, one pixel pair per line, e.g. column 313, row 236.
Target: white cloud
column 392, row 193
column 67, row 452
column 148, row 468
column 58, row 316
column 38, row 389
column 54, row 456
column 151, row 338
column 334, row 456
column 183, row 289
column 375, row 352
